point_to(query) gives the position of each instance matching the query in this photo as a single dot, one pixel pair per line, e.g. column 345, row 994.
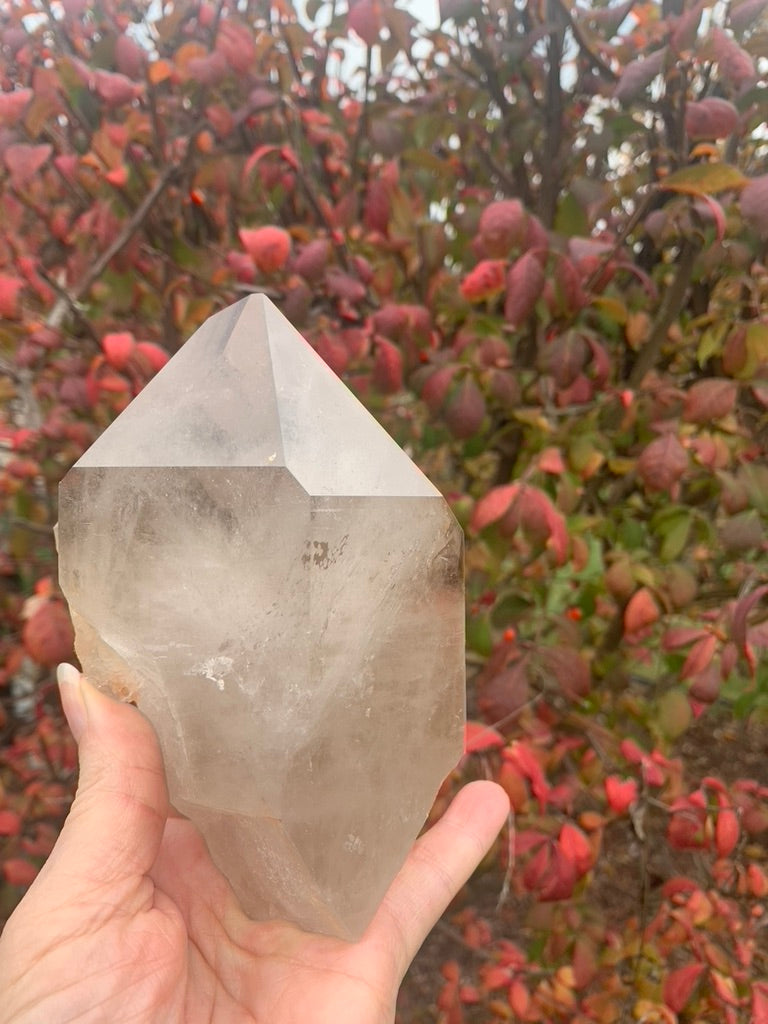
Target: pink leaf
column 754, row 205
column 24, row 161
column 711, row 118
column 735, row 64
column 638, row 75
column 662, row 463
column 12, row 105
column 525, row 283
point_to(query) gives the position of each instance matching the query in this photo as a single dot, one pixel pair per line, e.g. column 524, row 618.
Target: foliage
column 533, row 241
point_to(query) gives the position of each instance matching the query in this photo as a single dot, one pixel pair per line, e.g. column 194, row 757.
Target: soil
column 622, row 888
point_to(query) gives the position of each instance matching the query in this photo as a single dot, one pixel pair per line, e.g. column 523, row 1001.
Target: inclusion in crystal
column 249, row 555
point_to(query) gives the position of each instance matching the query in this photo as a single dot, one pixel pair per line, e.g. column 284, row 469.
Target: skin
column 129, row 920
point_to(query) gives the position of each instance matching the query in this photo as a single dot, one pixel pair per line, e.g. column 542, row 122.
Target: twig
column 510, row 869
column 594, row 59
column 632, row 221
column 362, row 124
column 550, row 170
column 69, row 299
column 670, row 307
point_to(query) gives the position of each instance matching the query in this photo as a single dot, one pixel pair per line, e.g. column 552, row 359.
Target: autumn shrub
column 533, row 241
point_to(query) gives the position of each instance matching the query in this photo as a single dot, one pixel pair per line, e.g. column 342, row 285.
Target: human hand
column 129, row 920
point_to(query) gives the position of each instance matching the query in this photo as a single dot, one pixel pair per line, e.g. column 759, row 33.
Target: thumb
column 115, row 826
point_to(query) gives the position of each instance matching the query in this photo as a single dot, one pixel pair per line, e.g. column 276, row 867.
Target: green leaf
column 570, row 219
column 479, row 638
column 711, row 343
column 704, row 179
column 674, row 532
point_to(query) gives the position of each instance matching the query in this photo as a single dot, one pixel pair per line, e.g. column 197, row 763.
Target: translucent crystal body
column 250, row 556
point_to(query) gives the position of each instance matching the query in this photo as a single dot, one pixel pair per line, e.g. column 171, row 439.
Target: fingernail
column 72, row 701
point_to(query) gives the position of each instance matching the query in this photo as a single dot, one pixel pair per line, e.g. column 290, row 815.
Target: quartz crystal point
column 249, row 555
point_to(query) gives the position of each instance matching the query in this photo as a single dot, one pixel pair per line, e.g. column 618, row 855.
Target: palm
column 234, row 969
column 129, row 919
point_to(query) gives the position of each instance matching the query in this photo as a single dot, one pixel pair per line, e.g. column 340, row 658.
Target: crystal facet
column 250, row 556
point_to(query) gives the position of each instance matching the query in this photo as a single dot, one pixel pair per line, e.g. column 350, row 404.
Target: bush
column 533, row 241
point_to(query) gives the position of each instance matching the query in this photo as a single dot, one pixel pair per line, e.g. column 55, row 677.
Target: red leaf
column 493, row 505
column 155, row 356
column 699, row 656
column 484, row 281
column 10, row 823
column 754, row 204
column 505, row 693
column 24, row 161
column 521, row 755
column 686, row 828
column 760, row 1002
column 344, row 286
column 570, row 669
column 569, row 285
column 365, row 18
column 478, row 737
column 208, row 70
column 387, row 367
column 503, row 226
column 736, row 65
column 675, row 638
column 534, row 513
column 9, row 296
column 313, row 259
column 118, row 348
column 268, row 247
column 519, row 999
column 130, row 58
column 725, row 987
column 740, row 614
column 726, row 827
column 679, row 985
column 12, row 105
column 48, row 635
column 662, row 463
column 437, row 386
column 333, row 351
column 558, row 878
column 565, row 357
column 525, row 283
column 576, row 847
column 550, row 460
column 706, row 685
column 256, row 156
column 465, row 409
column 638, row 75
column 710, row 399
column 19, row 872
column 641, row 612
column 711, row 118
column 620, row 793
column 377, row 206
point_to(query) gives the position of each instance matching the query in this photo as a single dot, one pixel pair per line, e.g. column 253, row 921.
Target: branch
column 550, row 171
column 671, row 305
column 640, row 211
column 593, row 59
